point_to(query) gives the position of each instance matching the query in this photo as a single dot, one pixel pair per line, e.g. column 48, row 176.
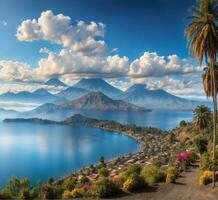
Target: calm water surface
column 42, row 151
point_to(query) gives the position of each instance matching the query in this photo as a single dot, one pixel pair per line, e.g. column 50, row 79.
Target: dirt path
column 185, row 188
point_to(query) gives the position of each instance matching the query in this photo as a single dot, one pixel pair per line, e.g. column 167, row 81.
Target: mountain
column 139, row 95
column 98, row 85
column 7, row 113
column 72, row 93
column 55, row 82
column 39, row 96
column 91, row 101
column 99, row 101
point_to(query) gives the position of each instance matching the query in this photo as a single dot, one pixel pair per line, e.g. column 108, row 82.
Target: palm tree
column 206, row 76
column 202, row 36
column 202, row 116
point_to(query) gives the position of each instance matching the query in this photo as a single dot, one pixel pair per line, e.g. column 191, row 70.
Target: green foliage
column 202, row 116
column 50, row 180
column 133, row 182
column 103, row 172
column 101, row 159
column 84, row 180
column 200, row 144
column 51, row 191
column 152, row 174
column 136, row 168
column 69, row 183
column 6, row 193
column 171, row 174
column 207, row 163
column 183, row 123
column 105, row 187
column 20, row 189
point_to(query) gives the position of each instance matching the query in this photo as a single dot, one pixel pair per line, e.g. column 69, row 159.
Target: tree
column 202, row 36
column 202, row 116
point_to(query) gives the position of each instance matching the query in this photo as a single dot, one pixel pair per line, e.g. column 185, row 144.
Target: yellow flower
column 206, row 177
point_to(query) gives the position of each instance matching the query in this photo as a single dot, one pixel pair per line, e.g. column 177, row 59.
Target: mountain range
column 139, row 95
column 39, row 96
column 98, row 94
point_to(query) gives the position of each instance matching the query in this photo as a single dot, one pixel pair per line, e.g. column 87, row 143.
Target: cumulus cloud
column 153, row 65
column 57, row 29
column 84, row 53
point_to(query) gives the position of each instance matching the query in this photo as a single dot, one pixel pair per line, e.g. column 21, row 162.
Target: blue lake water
column 163, row 119
column 42, row 151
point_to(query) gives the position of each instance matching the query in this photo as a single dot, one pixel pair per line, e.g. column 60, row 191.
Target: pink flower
column 185, row 155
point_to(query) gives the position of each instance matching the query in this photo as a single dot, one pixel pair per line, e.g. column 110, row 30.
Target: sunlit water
column 42, row 151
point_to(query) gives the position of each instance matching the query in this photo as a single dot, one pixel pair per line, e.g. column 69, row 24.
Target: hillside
column 72, row 93
column 99, row 101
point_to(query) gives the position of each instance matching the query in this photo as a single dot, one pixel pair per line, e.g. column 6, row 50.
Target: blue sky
column 138, row 36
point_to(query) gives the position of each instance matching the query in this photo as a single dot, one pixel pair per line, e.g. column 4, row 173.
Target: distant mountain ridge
column 139, row 95
column 39, row 96
column 98, row 85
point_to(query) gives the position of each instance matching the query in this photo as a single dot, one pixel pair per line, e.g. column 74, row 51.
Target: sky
column 125, row 42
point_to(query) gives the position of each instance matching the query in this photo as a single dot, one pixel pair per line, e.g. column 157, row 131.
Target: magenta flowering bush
column 183, row 156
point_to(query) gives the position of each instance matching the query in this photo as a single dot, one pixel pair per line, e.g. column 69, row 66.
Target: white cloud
column 3, row 23
column 15, row 71
column 153, row 65
column 57, row 29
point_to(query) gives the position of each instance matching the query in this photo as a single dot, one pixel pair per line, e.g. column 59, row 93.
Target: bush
column 103, row 172
column 69, row 183
column 183, row 123
column 133, row 182
column 206, row 163
column 75, row 193
column 171, row 174
column 84, row 180
column 5, row 193
column 136, row 168
column 152, row 174
column 51, row 191
column 206, row 177
column 105, row 187
column 193, row 156
column 201, row 144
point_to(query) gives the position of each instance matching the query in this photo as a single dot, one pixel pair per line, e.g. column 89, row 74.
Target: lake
column 163, row 119
column 42, row 151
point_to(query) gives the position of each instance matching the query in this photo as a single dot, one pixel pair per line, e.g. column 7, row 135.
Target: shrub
column 5, row 193
column 206, row 177
column 171, row 174
column 152, row 174
column 133, row 182
column 206, row 162
column 51, row 191
column 201, row 144
column 193, row 156
column 103, row 172
column 75, row 193
column 135, row 168
column 84, row 180
column 105, row 187
column 183, row 123
column 69, row 183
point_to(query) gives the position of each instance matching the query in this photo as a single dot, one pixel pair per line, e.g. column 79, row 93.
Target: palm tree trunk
column 213, row 80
